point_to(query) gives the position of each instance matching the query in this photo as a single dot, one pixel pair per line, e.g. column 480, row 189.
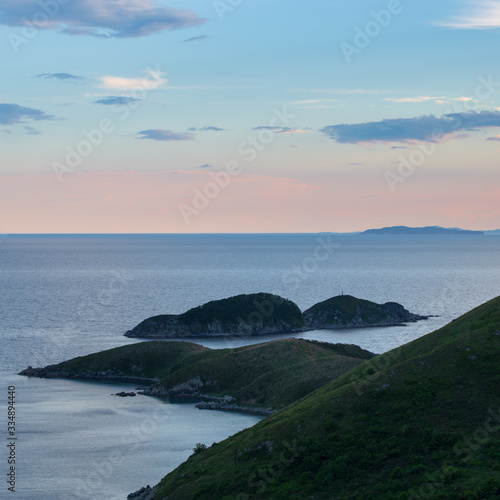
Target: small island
column 267, row 314
column 254, row 314
column 346, row 311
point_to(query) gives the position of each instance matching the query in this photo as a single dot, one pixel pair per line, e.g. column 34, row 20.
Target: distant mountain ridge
column 428, row 230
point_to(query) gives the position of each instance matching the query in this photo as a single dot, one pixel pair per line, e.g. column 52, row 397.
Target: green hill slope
column 421, row 421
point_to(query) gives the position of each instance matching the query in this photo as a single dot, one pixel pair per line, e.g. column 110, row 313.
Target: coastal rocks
column 124, row 394
column 145, row 493
column 345, row 311
column 225, row 406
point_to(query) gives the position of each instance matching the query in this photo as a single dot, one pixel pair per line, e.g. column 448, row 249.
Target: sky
column 248, row 116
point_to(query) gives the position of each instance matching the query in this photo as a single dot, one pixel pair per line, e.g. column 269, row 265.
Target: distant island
column 428, row 230
column 265, row 314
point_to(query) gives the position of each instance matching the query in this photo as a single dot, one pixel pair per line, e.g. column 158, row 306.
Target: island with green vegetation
column 420, row 421
column 346, row 311
column 257, row 378
column 253, row 314
column 266, row 314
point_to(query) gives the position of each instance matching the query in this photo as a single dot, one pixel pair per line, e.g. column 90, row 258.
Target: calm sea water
column 65, row 296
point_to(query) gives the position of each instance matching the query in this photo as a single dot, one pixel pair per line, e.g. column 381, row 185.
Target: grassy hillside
column 273, row 374
column 421, row 421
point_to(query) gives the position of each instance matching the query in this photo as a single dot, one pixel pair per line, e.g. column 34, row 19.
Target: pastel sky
column 170, row 116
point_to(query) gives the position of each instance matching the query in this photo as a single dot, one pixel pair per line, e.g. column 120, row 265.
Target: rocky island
column 254, row 314
column 265, row 314
column 345, row 311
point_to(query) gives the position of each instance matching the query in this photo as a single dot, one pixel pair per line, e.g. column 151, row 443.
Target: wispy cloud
column 119, row 100
column 164, row 135
column 195, row 39
column 407, row 130
column 110, row 18
column 282, row 130
column 318, row 103
column 206, row 129
column 494, row 138
column 340, row 91
column 32, row 130
column 207, row 165
column 439, row 100
column 61, row 76
column 11, row 114
column 153, row 80
column 479, row 15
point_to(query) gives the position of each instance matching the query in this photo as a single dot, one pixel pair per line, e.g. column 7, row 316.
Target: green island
column 265, row 314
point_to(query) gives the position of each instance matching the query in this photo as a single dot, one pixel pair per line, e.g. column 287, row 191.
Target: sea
column 70, row 295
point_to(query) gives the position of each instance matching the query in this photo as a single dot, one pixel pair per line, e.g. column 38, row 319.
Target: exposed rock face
column 145, row 493
column 246, row 315
column 345, row 311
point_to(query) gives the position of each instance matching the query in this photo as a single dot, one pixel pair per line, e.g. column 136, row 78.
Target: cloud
column 31, row 130
column 165, row 135
column 439, row 100
column 10, row 114
column 61, row 76
column 327, row 90
column 318, row 103
column 153, row 80
column 406, row 130
column 195, row 39
column 120, row 100
column 110, row 18
column 206, row 129
column 494, row 138
column 283, row 130
column 207, row 165
column 480, row 15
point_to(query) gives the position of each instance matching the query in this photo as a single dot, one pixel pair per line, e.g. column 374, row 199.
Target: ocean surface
column 66, row 296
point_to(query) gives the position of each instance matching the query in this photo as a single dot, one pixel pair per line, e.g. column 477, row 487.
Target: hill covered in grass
column 421, row 421
column 264, row 314
column 269, row 375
